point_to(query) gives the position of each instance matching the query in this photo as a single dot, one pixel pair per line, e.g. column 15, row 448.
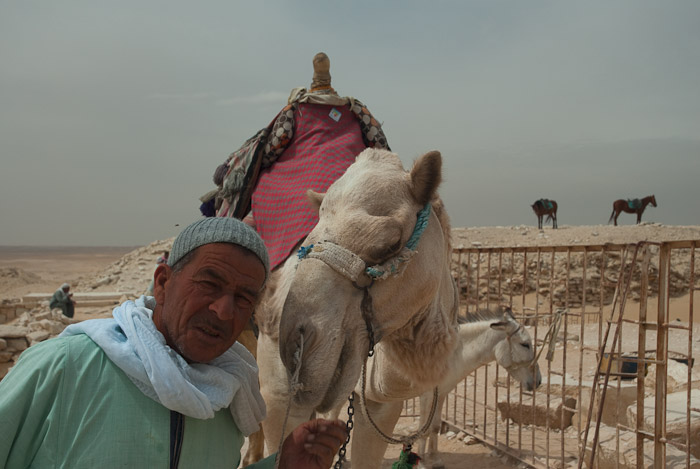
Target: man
column 164, row 382
column 63, row 299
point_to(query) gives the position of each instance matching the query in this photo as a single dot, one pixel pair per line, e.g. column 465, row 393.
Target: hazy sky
column 114, row 115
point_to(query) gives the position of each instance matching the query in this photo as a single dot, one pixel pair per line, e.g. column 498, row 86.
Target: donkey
column 485, row 336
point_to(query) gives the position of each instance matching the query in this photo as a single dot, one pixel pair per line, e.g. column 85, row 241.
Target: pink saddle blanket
column 326, row 141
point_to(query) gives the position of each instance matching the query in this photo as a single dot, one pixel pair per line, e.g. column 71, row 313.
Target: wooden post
column 641, row 353
column 662, row 359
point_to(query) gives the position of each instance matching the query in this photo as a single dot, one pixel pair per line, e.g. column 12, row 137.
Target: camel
column 265, row 180
column 483, row 337
column 311, row 321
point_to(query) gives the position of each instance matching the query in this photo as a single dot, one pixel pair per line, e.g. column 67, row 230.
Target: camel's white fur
column 486, row 336
column 371, row 210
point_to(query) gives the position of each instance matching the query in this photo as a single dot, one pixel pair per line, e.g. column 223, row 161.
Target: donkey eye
column 526, row 345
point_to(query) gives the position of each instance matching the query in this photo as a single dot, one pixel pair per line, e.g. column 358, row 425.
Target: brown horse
column 545, row 207
column 631, row 206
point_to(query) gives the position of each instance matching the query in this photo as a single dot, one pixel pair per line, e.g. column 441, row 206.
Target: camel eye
column 526, row 345
column 386, row 253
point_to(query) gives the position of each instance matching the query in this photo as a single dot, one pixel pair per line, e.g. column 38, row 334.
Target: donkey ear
column 508, row 312
column 315, row 199
column 499, row 326
column 426, row 176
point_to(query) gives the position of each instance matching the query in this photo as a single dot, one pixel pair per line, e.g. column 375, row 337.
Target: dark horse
column 631, row 206
column 545, row 207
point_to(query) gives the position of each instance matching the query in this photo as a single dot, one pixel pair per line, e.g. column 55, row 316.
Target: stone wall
column 32, row 327
column 11, row 309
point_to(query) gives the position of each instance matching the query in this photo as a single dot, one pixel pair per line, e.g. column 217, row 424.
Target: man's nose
column 223, row 307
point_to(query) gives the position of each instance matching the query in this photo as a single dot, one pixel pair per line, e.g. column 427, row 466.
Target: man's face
column 202, row 309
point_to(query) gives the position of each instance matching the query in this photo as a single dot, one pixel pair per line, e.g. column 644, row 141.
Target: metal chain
column 348, row 427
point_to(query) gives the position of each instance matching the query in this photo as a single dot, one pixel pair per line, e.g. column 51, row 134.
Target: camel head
column 368, row 215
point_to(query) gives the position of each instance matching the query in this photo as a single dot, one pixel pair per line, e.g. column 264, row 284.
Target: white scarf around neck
column 197, row 390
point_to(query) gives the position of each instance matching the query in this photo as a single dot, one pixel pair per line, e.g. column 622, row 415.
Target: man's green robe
column 66, row 405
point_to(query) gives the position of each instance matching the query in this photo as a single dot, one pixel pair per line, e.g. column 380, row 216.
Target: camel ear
column 426, row 176
column 315, row 199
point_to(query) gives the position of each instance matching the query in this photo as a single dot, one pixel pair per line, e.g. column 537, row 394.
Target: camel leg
column 256, row 448
column 274, row 388
column 368, row 448
column 431, row 437
column 639, row 217
column 616, row 215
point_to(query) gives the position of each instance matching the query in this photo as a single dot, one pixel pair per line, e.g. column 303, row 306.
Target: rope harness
column 352, row 267
column 549, row 341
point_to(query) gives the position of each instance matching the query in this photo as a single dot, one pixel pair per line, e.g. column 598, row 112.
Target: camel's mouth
column 330, row 398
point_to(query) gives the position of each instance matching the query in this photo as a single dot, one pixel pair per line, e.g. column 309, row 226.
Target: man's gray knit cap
column 218, row 230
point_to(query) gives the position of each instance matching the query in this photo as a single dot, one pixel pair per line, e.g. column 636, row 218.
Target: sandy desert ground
column 128, row 270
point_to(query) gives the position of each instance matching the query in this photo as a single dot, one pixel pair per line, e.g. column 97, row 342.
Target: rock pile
column 27, row 324
column 132, row 273
column 30, row 328
column 563, row 279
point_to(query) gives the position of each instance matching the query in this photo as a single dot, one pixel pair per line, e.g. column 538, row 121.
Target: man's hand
column 313, row 444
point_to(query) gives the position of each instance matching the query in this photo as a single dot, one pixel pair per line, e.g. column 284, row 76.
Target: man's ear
column 160, row 278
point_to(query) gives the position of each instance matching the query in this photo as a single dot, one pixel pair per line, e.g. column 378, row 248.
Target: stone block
column 537, row 412
column 3, row 344
column 676, row 417
column 608, row 457
column 6, row 357
column 65, row 320
column 42, row 315
column 13, row 332
column 52, row 327
column 676, row 377
column 17, row 345
column 37, row 336
column 614, row 407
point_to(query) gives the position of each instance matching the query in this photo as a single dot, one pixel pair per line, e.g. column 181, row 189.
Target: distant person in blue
column 163, row 383
column 63, row 299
